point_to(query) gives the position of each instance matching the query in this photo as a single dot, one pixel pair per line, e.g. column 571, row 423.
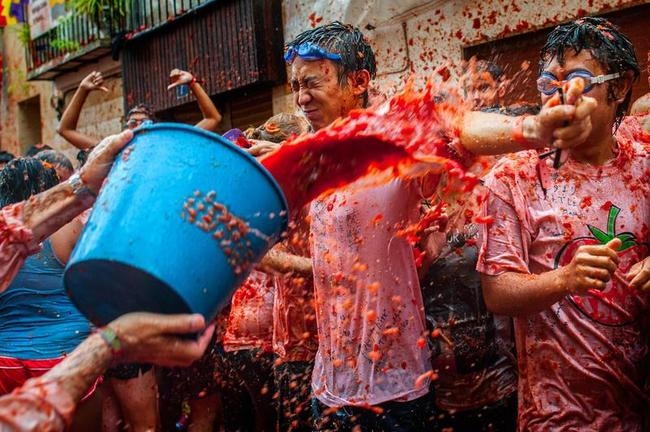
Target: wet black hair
column 142, row 108
column 82, row 157
column 55, row 158
column 24, row 177
column 611, row 48
column 480, row 65
column 34, row 150
column 346, row 41
column 5, row 156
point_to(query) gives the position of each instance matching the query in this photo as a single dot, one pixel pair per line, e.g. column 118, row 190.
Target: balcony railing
column 146, row 15
column 79, row 39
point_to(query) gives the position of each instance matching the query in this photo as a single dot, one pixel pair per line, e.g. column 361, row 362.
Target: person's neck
column 595, row 152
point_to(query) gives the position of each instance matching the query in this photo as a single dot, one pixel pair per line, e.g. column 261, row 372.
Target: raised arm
column 281, row 261
column 68, row 125
column 24, row 225
column 211, row 116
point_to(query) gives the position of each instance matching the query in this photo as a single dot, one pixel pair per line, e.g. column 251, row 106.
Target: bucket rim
column 223, row 141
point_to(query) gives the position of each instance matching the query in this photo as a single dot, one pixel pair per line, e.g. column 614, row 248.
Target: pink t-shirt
column 583, row 362
column 631, row 128
column 294, row 318
column 250, row 323
column 369, row 306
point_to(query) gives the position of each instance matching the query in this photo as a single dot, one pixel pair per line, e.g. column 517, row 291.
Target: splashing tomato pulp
column 413, row 133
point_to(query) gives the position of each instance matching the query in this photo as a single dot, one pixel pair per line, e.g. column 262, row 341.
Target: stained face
column 481, row 89
column 136, row 120
column 63, row 173
column 602, row 118
column 318, row 92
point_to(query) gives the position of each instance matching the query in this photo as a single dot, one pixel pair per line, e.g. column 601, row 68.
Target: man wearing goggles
column 548, row 84
column 567, row 254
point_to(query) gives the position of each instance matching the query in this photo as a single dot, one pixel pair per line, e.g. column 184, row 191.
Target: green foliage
column 65, row 44
column 95, row 8
column 60, row 41
column 23, row 34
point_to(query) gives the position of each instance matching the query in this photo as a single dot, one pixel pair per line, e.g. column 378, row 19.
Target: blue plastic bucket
column 183, row 216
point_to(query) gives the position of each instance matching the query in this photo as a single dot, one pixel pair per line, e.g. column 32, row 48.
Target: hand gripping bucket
column 176, row 228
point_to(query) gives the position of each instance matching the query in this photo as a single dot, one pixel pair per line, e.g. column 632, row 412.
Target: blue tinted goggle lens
column 548, row 84
column 310, row 51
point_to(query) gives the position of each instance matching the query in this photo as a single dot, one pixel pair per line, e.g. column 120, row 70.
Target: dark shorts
column 498, row 417
column 199, row 379
column 416, row 415
column 293, row 385
column 127, row 371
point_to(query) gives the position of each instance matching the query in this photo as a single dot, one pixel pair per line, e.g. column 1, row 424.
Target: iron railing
column 77, row 34
column 146, row 15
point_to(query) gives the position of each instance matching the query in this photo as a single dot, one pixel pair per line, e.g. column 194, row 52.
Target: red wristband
column 518, row 133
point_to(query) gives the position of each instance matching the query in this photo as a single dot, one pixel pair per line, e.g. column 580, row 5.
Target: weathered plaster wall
column 16, row 89
column 101, row 116
column 417, row 36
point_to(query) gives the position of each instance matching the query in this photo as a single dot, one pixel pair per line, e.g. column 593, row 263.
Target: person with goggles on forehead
column 331, row 67
column 567, row 254
column 137, row 115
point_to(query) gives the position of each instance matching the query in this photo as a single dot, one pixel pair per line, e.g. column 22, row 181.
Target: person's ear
column 359, row 81
column 623, row 85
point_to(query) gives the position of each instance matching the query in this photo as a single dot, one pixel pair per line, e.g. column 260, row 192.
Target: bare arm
column 48, row 211
column 68, row 125
column 515, row 294
column 284, row 262
column 211, row 115
column 520, row 294
column 24, row 225
column 562, row 126
column 65, row 239
column 48, row 402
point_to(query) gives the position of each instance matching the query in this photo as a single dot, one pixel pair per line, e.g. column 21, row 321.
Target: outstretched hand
column 261, row 147
column 161, row 339
column 101, row 159
column 179, row 77
column 564, row 124
column 93, row 81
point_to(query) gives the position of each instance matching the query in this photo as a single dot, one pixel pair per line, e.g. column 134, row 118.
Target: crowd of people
column 525, row 306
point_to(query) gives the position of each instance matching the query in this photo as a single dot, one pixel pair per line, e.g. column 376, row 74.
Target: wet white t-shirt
column 369, row 306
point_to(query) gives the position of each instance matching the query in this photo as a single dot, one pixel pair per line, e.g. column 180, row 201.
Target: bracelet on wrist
column 109, row 336
column 81, row 190
column 518, row 133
